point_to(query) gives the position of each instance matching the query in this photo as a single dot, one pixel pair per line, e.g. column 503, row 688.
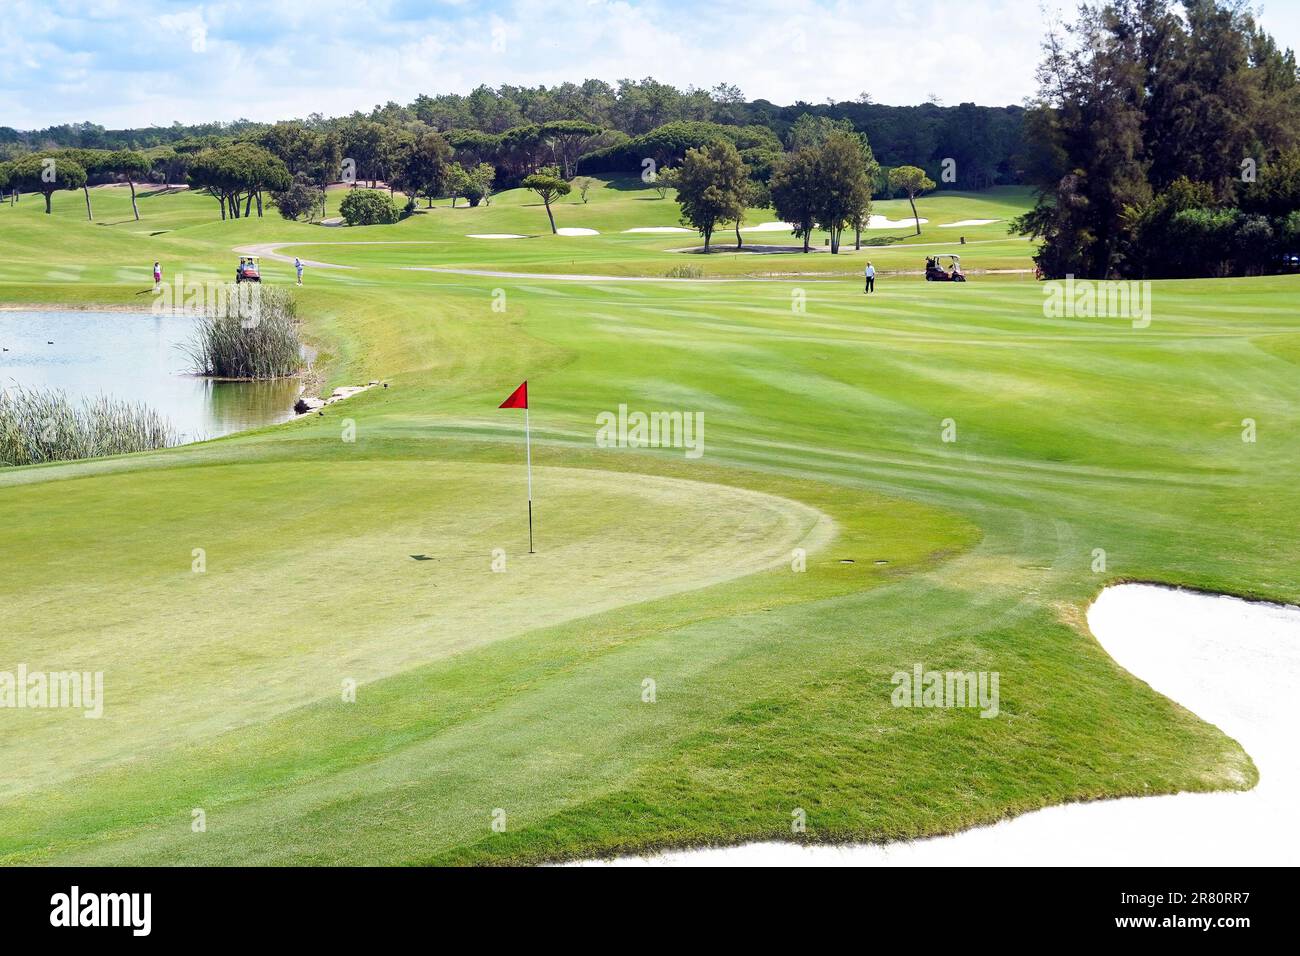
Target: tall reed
column 253, row 335
column 39, row 425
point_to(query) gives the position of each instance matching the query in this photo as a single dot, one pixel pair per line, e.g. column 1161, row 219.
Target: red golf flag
column 518, row 398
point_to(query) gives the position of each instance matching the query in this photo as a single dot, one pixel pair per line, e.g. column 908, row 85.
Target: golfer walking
column 157, row 277
column 297, row 265
column 870, row 273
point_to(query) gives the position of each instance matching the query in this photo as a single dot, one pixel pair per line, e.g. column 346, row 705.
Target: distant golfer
column 870, row 273
column 297, row 265
column 157, row 277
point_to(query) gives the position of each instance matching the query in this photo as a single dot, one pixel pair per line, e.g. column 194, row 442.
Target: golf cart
column 935, row 272
column 248, row 270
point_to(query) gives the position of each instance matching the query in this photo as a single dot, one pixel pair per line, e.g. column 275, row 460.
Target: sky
column 127, row 63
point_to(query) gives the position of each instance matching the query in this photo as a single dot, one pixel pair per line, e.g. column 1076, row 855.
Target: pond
column 134, row 356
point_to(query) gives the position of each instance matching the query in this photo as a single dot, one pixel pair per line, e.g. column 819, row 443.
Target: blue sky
column 123, row 63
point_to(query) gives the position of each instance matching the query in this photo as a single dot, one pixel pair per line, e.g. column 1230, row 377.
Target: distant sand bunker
column 875, row 222
column 884, row 222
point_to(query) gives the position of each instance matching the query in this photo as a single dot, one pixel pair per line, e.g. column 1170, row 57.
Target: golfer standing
column 297, row 264
column 157, row 277
column 870, row 273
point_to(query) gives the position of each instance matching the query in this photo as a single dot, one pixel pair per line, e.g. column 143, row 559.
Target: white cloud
column 154, row 62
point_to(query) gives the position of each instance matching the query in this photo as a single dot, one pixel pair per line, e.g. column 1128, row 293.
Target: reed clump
column 253, row 335
column 40, row 425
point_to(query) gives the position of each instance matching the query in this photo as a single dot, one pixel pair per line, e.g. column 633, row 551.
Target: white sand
column 769, row 227
column 875, row 222
column 659, row 229
column 576, row 231
column 966, row 222
column 1233, row 663
column 495, row 235
column 884, row 222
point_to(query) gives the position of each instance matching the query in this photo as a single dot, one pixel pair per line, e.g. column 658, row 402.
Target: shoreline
column 80, row 307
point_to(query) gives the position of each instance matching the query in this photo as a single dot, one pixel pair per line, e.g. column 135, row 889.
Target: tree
column 665, row 179
column 305, row 151
column 1144, row 95
column 363, row 143
column 236, row 175
column 368, row 207
column 912, row 181
column 299, row 201
column 844, row 184
column 796, row 184
column 458, row 182
column 810, row 131
column 93, row 161
column 478, row 185
column 548, row 186
column 711, row 187
column 395, row 145
column 569, row 139
column 133, row 165
column 46, row 175
column 969, row 137
column 754, row 195
column 423, row 167
column 583, row 184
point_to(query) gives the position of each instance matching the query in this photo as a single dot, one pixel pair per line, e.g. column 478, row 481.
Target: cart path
column 267, row 250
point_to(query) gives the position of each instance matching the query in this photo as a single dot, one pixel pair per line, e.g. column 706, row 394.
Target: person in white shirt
column 870, row 273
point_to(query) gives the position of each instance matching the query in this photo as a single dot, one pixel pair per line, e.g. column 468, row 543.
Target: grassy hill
column 522, row 690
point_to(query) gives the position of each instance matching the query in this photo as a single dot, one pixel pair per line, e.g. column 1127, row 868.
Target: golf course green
column 963, row 471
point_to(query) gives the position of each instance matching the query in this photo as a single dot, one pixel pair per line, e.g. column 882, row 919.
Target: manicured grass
column 523, row 690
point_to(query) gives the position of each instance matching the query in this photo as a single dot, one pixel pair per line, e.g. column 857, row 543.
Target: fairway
column 922, row 476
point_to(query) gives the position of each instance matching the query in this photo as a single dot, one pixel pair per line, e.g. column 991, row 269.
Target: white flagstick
column 528, row 447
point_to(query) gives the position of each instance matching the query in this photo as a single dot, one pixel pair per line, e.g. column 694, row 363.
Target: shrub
column 299, row 201
column 368, row 207
column 45, row 425
column 685, row 272
column 261, row 344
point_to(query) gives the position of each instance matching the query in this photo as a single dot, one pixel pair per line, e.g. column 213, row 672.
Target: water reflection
column 134, row 357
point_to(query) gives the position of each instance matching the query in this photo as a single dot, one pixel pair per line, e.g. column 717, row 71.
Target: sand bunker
column 659, row 229
column 884, row 222
column 750, row 249
column 769, row 227
column 495, row 235
column 875, row 222
column 966, row 222
column 576, row 231
column 1231, row 662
